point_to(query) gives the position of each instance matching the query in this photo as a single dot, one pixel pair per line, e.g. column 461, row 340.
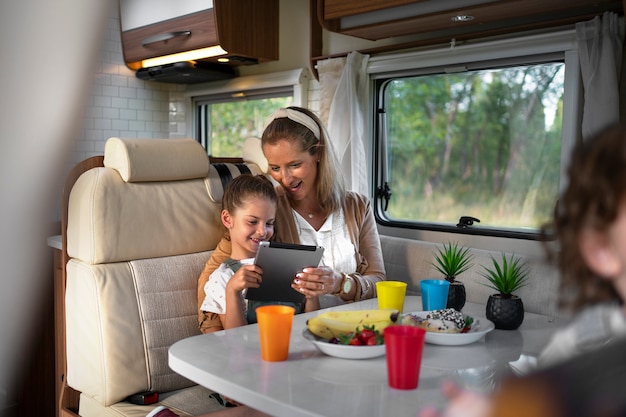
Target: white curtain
column 600, row 54
column 329, row 72
column 347, row 121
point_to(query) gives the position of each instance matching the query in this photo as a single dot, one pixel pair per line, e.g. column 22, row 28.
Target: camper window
column 480, row 139
column 226, row 121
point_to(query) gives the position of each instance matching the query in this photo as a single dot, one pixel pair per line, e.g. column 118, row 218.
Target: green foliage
column 452, row 260
column 476, row 143
column 506, row 276
column 232, row 122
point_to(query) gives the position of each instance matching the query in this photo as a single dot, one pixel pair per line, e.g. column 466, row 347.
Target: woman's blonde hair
column 329, row 184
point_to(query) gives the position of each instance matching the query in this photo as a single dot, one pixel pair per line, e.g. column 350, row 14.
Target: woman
column 314, row 208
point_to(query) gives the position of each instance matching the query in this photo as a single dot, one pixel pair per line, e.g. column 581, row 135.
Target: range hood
column 202, row 42
column 186, row 73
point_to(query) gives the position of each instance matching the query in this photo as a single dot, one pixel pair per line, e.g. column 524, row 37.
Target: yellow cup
column 274, row 331
column 391, row 294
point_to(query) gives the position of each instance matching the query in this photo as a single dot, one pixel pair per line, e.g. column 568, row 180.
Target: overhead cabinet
column 247, row 30
column 438, row 20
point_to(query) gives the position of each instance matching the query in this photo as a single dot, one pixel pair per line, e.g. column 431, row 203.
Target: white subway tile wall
column 122, row 105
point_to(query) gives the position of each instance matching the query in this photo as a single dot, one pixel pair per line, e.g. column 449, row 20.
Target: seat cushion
column 187, row 402
column 121, row 319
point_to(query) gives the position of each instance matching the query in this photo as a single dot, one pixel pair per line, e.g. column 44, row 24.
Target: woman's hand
column 313, row 282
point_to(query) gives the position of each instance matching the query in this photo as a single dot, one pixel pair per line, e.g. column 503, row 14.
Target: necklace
column 310, row 214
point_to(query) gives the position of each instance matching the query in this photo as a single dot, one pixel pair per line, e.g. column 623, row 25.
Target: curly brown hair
column 591, row 201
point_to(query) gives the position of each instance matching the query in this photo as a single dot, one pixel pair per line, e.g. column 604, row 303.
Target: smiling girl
column 248, row 213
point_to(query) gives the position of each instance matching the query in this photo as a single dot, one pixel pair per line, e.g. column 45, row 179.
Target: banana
column 317, row 326
column 336, row 323
column 361, row 317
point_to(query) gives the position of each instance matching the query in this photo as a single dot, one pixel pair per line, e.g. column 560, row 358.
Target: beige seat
column 139, row 231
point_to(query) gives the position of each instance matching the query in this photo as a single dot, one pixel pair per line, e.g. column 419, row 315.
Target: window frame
column 255, row 86
column 517, row 50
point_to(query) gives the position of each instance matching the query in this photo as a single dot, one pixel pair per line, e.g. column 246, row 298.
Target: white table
column 310, row 383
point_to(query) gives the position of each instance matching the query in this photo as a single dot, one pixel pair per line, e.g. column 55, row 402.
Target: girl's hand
column 313, row 282
column 248, row 276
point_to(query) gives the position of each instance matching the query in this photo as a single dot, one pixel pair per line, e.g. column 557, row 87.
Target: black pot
column 505, row 313
column 456, row 295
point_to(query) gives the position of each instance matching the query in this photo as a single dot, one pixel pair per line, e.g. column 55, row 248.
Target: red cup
column 404, row 346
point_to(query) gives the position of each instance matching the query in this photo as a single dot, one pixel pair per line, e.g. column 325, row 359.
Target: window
column 225, row 125
column 475, row 147
column 229, row 114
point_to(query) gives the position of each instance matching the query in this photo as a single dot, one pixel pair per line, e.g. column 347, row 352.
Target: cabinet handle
column 165, row 37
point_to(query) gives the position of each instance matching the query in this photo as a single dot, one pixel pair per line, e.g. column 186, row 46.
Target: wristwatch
column 346, row 284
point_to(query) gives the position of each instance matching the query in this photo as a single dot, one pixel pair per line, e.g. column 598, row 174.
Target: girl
column 248, row 213
column 590, row 225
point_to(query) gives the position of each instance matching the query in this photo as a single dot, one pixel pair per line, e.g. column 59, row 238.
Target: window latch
column 384, row 192
column 466, row 221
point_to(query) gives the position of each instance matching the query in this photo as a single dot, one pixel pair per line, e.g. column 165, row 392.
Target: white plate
column 344, row 351
column 480, row 327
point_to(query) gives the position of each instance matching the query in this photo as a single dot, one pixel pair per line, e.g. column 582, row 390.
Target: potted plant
column 452, row 260
column 505, row 309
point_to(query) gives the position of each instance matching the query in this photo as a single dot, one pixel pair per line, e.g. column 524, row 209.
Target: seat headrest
column 146, row 160
column 220, row 174
column 253, row 154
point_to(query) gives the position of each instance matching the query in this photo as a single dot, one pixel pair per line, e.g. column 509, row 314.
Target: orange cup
column 274, row 331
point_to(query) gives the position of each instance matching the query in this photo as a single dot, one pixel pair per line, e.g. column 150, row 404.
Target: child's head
column 588, row 216
column 248, row 213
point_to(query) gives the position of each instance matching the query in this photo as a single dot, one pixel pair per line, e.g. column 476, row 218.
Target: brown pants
column 209, row 322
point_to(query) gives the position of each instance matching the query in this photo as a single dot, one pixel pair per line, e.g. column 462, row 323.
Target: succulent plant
column 452, row 260
column 506, row 276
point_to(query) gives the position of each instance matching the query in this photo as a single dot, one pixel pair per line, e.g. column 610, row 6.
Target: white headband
column 296, row 116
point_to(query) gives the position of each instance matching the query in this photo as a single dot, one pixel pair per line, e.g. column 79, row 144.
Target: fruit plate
column 344, row 351
column 480, row 327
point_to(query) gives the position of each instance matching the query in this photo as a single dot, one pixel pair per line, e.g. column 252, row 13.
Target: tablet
column 280, row 263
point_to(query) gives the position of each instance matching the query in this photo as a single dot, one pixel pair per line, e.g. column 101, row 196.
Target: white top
column 590, row 329
column 333, row 237
column 215, row 289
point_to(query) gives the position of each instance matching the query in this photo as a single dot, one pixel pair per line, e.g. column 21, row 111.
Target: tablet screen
column 280, row 263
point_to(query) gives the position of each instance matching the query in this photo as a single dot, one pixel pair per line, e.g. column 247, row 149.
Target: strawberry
column 355, row 341
column 365, row 335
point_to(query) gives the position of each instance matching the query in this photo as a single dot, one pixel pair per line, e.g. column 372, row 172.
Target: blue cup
column 434, row 294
